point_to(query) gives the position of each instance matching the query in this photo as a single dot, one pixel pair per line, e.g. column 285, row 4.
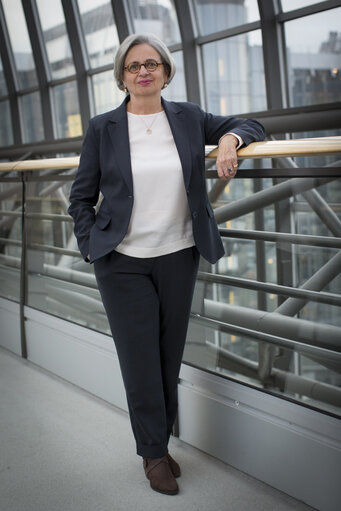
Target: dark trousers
column 148, row 303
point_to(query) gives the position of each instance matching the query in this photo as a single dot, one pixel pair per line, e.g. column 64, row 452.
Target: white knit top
column 160, row 222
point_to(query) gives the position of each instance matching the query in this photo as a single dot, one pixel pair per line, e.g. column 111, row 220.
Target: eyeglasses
column 150, row 65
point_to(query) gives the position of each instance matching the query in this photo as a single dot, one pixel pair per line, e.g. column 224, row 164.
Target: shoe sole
column 175, row 492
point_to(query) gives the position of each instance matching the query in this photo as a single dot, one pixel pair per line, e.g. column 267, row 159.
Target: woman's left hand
column 227, row 162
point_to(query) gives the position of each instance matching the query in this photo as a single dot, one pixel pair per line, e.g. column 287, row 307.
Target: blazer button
column 130, row 196
column 194, row 214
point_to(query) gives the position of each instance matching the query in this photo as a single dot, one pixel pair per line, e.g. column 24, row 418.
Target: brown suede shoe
column 160, row 475
column 174, row 466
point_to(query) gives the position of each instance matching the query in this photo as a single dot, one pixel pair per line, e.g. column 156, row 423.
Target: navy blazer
column 105, row 167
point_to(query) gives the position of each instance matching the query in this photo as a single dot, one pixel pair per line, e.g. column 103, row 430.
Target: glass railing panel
column 10, row 235
column 59, row 281
column 269, row 315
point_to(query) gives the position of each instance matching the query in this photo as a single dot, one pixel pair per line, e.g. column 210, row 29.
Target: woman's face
column 144, row 83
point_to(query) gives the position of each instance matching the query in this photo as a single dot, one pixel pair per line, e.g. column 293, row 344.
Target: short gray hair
column 134, row 40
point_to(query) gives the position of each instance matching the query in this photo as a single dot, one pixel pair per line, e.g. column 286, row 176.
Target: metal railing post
column 23, row 275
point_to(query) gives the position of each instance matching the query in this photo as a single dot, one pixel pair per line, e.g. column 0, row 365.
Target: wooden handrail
column 267, row 149
column 297, row 147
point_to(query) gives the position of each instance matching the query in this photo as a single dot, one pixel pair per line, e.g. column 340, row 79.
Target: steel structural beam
column 9, row 70
column 318, row 281
column 308, row 10
column 80, row 59
column 299, row 239
column 266, row 197
column 192, row 70
column 273, row 53
column 41, row 63
column 122, row 19
column 321, row 117
column 330, row 359
column 324, row 211
column 299, row 330
column 316, row 202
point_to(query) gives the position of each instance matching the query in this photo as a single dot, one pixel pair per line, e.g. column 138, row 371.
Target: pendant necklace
column 149, row 130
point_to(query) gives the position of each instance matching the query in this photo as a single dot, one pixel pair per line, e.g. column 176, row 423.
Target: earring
column 165, row 85
column 125, row 90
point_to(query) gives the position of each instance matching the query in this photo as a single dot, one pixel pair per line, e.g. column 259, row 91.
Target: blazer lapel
column 119, row 135
column 177, row 121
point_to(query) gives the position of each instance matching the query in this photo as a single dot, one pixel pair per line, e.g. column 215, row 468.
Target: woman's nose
column 143, row 71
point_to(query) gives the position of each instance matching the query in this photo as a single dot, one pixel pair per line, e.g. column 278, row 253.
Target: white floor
column 62, row 449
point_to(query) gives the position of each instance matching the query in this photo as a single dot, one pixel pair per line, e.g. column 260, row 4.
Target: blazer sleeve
column 216, row 126
column 85, row 191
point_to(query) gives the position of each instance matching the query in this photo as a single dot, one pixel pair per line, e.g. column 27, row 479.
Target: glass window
column 106, row 93
column 234, row 74
column 33, row 128
column 176, row 90
column 158, row 17
column 10, row 235
column 20, row 41
column 56, row 38
column 314, row 58
column 3, row 85
column 6, row 133
column 215, row 15
column 290, row 5
column 100, row 31
column 66, row 107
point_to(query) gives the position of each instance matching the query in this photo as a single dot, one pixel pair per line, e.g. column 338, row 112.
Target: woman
column 147, row 159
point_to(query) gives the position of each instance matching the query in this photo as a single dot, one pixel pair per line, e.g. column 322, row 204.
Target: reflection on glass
column 6, row 132
column 215, row 15
column 158, row 17
column 33, row 128
column 20, row 42
column 176, row 90
column 66, row 108
column 10, row 239
column 100, row 31
column 3, row 85
column 56, row 38
column 314, row 58
column 234, row 74
column 106, row 93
